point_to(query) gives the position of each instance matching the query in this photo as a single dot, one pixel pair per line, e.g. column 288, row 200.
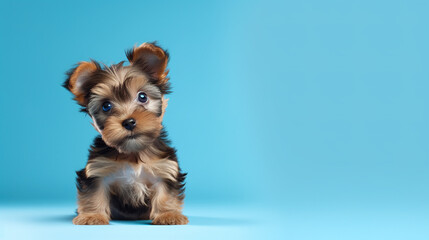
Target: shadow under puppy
column 132, row 172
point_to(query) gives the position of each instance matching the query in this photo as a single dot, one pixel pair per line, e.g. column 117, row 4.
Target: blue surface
column 214, row 221
column 317, row 106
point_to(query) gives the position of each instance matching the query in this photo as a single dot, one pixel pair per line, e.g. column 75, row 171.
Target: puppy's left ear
column 151, row 59
column 77, row 81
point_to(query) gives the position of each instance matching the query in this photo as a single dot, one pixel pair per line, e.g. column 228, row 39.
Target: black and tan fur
column 130, row 174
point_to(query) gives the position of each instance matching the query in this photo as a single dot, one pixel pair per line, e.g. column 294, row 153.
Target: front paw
column 170, row 218
column 91, row 219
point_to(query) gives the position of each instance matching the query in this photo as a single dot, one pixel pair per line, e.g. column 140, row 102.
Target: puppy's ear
column 151, row 59
column 77, row 79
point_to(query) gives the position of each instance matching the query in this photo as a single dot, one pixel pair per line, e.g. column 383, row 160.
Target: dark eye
column 142, row 97
column 107, row 106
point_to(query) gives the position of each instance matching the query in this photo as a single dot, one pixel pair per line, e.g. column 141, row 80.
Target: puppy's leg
column 166, row 208
column 93, row 205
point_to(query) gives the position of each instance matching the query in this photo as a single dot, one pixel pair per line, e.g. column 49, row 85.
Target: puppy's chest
column 130, row 181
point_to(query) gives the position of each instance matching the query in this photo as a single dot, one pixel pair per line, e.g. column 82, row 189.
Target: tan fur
column 146, row 115
column 150, row 120
column 103, row 89
column 146, row 49
column 82, row 69
column 137, row 82
column 113, row 132
column 102, row 167
column 163, row 202
column 164, row 106
column 117, row 78
column 148, row 166
column 93, row 207
column 163, row 168
column 91, row 219
column 170, row 218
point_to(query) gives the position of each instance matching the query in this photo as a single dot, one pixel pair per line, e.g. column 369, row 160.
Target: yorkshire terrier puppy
column 132, row 172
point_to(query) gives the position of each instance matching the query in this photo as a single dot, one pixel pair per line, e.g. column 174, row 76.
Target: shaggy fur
column 132, row 172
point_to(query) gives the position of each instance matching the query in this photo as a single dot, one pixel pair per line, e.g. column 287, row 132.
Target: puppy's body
column 132, row 172
column 133, row 182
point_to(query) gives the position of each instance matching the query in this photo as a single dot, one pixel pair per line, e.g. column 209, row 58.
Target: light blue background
column 281, row 104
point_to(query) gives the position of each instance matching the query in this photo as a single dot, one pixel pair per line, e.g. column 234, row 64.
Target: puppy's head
column 125, row 102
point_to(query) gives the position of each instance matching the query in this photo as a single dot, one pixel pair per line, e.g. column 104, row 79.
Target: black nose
column 129, row 124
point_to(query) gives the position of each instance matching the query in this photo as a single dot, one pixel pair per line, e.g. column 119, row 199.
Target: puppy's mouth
column 133, row 136
column 135, row 142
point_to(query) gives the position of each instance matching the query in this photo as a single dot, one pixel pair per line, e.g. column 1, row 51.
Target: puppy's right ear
column 78, row 78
